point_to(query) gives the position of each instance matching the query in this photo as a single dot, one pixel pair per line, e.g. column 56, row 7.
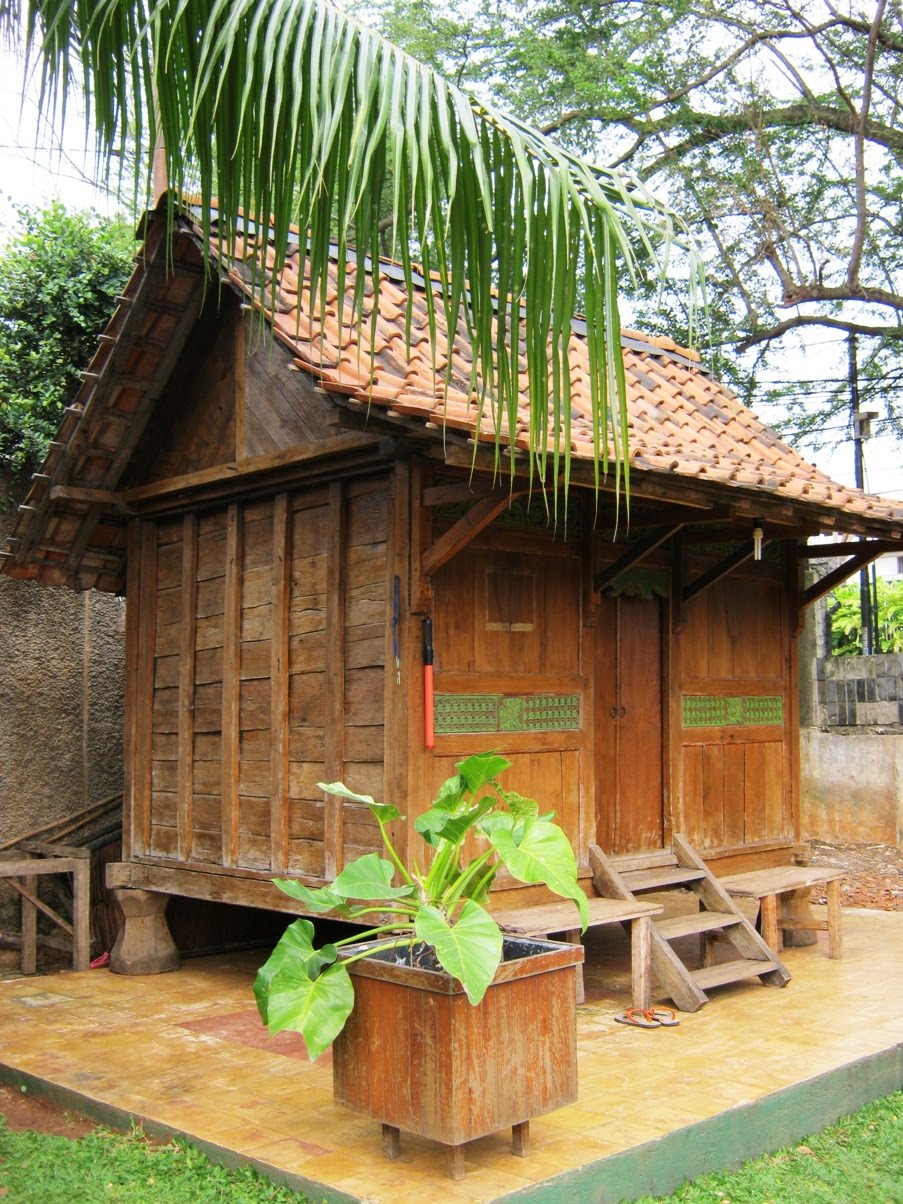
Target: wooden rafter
column 634, row 555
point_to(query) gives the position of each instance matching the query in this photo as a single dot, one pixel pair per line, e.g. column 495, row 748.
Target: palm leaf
column 291, row 110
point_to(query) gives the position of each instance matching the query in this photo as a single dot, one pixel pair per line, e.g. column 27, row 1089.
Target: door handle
column 623, row 712
column 613, row 711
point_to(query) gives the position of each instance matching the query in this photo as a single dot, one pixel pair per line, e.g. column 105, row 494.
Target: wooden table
column 771, row 886
column 546, row 918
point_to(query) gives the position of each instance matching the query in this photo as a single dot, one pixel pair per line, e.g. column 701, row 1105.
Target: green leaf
column 543, row 854
column 438, row 824
column 520, row 807
column 451, row 793
column 315, row 898
column 470, row 949
column 384, row 812
column 317, row 1008
column 296, row 943
column 481, row 768
column 369, row 877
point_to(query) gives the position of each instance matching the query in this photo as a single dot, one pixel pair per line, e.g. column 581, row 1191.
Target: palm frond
column 293, row 111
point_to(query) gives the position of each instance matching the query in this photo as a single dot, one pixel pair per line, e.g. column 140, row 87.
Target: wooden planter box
column 417, row 1056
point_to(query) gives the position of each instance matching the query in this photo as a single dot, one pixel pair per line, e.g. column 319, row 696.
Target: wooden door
column 629, row 729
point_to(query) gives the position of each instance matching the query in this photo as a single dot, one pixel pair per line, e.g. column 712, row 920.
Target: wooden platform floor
column 185, row 1052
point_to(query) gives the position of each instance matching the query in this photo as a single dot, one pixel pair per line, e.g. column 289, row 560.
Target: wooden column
column 279, row 681
column 335, row 678
column 231, row 684
column 187, row 644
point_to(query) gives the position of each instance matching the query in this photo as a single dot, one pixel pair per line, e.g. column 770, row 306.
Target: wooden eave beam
column 460, row 491
column 107, row 498
column 863, row 555
column 634, row 555
column 815, row 551
column 460, row 534
column 717, row 571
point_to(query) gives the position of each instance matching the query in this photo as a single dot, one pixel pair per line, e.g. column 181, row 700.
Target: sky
column 34, row 171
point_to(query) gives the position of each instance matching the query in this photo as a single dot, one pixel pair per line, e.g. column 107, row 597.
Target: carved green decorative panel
column 730, row 710
column 456, row 714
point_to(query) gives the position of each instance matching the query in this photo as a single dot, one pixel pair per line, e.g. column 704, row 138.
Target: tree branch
column 757, row 338
column 855, row 261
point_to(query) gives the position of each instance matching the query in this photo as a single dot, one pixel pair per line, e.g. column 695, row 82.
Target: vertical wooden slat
column 145, row 618
column 335, row 677
column 187, row 642
column 231, row 684
column 395, row 739
column 794, row 622
column 279, row 682
column 132, row 643
column 240, row 385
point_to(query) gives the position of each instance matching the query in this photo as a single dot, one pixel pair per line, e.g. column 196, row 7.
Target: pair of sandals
column 650, row 1018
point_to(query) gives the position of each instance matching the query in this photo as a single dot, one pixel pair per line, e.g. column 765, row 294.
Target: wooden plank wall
column 259, row 652
column 736, row 781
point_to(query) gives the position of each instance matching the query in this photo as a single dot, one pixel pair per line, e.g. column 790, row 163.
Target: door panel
column 629, row 777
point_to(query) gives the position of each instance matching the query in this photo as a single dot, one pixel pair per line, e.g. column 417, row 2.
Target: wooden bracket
column 459, row 535
column 634, row 555
column 91, row 497
column 864, row 554
column 678, row 574
column 717, row 571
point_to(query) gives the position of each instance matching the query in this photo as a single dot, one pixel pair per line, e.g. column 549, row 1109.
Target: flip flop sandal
column 665, row 1016
column 638, row 1019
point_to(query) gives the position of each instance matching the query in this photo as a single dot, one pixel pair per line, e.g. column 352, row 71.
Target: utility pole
column 861, row 431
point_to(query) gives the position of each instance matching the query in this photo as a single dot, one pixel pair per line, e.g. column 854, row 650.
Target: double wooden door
column 629, row 725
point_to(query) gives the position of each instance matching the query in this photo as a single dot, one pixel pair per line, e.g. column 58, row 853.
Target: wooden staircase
column 683, row 869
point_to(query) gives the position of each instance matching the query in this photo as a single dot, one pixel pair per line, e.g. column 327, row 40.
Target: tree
column 59, row 275
column 775, row 127
column 294, row 109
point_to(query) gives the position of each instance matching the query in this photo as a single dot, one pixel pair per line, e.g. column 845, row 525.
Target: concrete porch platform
column 185, row 1054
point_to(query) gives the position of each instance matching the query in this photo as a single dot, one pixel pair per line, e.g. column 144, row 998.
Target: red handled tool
column 429, row 733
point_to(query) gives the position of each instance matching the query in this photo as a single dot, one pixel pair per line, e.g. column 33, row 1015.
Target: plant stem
column 451, row 897
column 390, row 849
column 371, row 932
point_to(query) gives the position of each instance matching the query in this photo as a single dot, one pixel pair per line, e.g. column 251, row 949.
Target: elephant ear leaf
column 369, row 877
column 470, row 949
column 316, row 1007
column 295, row 945
column 542, row 853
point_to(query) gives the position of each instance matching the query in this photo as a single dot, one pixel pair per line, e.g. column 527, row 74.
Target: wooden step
column 701, row 921
column 725, row 972
column 624, row 863
column 657, row 879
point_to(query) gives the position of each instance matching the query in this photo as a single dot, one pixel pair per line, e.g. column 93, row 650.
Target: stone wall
column 61, row 694
column 859, row 691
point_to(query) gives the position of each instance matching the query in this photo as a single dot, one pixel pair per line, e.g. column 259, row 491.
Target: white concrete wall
column 851, row 786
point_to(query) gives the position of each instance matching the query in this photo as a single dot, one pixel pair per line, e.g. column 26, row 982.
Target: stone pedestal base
column 145, row 945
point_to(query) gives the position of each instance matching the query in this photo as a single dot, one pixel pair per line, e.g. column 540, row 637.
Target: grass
column 859, row 1160
column 39, row 1169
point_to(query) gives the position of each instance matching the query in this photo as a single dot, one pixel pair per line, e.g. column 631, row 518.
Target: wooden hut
column 282, row 520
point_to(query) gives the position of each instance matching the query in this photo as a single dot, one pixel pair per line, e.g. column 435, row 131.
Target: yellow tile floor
column 186, row 1050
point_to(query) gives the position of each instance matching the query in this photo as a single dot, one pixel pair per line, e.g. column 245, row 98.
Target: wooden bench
column 780, row 914
column 28, row 862
column 546, row 918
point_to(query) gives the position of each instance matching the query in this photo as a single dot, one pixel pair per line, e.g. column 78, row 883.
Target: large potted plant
column 439, row 1024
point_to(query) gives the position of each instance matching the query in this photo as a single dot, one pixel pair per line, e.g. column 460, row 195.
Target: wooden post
column 81, row 914
column 641, row 962
column 29, row 962
column 391, row 1136
column 520, row 1139
column 835, row 934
